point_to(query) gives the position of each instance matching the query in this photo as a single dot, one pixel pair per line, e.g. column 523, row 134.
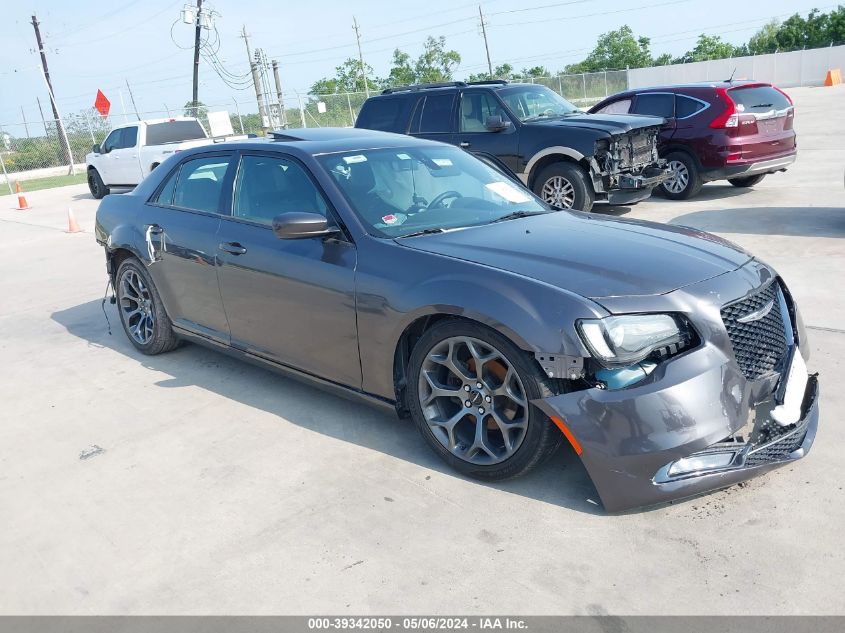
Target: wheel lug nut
column 478, row 385
column 481, row 409
column 466, row 387
column 488, row 399
column 468, row 403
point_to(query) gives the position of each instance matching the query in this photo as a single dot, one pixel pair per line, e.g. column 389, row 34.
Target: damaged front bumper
column 633, row 188
column 694, row 407
column 627, row 168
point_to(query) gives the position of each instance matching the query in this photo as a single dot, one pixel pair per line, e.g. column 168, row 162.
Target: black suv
column 567, row 157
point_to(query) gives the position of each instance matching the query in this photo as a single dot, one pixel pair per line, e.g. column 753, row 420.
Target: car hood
column 610, row 123
column 591, row 255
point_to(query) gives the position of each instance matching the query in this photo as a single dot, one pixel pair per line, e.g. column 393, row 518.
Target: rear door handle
column 464, row 143
column 232, row 247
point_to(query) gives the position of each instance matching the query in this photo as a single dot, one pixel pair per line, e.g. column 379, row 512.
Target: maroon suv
column 734, row 130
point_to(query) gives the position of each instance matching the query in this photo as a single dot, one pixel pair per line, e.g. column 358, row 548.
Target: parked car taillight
column 729, row 117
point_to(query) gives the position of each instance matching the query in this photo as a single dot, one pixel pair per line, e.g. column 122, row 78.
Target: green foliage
column 435, row 63
column 616, row 50
column 347, row 78
column 711, row 47
column 796, row 32
column 196, row 109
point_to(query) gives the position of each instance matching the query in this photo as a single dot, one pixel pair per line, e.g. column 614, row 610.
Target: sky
column 94, row 45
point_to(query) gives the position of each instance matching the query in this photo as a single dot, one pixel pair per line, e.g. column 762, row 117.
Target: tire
column 748, row 181
column 565, row 186
column 532, row 437
column 142, row 313
column 96, row 185
column 686, row 169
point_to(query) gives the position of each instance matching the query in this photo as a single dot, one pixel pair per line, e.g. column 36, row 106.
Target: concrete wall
column 796, row 68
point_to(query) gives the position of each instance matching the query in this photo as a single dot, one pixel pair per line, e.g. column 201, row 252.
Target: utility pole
column 197, row 36
column 25, row 126
column 43, row 120
column 256, row 82
column 59, row 125
column 360, row 55
column 263, row 67
column 132, row 97
column 486, row 46
column 282, row 116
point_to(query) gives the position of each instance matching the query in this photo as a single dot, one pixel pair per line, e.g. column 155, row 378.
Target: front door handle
column 464, row 143
column 232, row 247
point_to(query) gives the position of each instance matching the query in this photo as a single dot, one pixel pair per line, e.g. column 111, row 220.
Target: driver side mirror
column 298, row 225
column 495, row 123
column 96, row 148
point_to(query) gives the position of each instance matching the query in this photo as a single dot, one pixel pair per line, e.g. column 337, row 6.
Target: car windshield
column 399, row 192
column 531, row 102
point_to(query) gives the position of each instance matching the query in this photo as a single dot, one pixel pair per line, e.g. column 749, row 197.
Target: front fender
column 537, row 317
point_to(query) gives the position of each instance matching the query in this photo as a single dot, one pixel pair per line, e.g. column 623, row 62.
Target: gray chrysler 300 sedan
column 412, row 275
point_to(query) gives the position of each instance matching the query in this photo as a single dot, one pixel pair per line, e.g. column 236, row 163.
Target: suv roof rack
column 415, row 87
column 488, row 82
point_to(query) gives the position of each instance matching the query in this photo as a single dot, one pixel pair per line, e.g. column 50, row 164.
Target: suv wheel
column 748, row 181
column 686, row 179
column 96, row 185
column 141, row 311
column 565, row 186
column 469, row 393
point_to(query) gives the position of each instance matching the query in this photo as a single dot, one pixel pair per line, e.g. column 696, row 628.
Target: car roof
column 736, row 83
column 323, row 140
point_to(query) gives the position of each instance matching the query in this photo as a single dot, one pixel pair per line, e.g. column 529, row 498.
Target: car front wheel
column 469, row 395
column 748, row 181
column 141, row 311
column 565, row 186
column 686, row 179
column 96, row 185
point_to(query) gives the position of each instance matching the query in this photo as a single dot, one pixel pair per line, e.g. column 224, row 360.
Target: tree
column 196, row 109
column 505, row 71
column 347, row 79
column 711, row 47
column 616, row 50
column 436, row 63
column 401, row 70
column 765, row 40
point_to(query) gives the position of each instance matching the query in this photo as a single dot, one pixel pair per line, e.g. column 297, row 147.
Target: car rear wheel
column 748, row 181
column 141, row 311
column 565, row 186
column 469, row 394
column 686, row 179
column 96, row 186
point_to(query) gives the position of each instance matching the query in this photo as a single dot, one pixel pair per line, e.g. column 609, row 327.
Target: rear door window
column 436, row 115
column 687, row 106
column 758, row 99
column 655, row 104
column 623, row 106
column 380, row 114
column 173, row 132
column 200, row 183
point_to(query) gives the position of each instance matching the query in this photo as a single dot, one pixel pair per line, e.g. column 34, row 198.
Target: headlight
column 627, row 339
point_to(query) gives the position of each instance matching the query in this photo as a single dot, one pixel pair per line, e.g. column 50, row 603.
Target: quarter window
column 655, row 104
column 381, row 114
column 268, row 186
column 684, row 106
column 200, row 183
column 475, row 108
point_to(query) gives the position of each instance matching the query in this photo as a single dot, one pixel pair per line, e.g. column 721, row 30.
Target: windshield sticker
column 389, row 219
column 508, row 192
column 403, row 157
column 357, row 158
column 442, row 162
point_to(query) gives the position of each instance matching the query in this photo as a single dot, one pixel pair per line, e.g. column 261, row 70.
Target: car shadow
column 561, row 481
column 790, row 221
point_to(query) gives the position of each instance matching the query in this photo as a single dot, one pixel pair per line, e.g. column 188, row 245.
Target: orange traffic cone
column 22, row 205
column 72, row 224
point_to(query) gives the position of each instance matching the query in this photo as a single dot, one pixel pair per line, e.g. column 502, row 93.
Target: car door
column 473, row 135
column 180, row 224
column 660, row 104
column 434, row 116
column 124, row 156
column 290, row 301
column 106, row 165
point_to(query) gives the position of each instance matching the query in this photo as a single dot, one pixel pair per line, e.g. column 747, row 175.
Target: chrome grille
column 759, row 346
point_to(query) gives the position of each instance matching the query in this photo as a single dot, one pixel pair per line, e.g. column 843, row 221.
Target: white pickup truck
column 132, row 151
